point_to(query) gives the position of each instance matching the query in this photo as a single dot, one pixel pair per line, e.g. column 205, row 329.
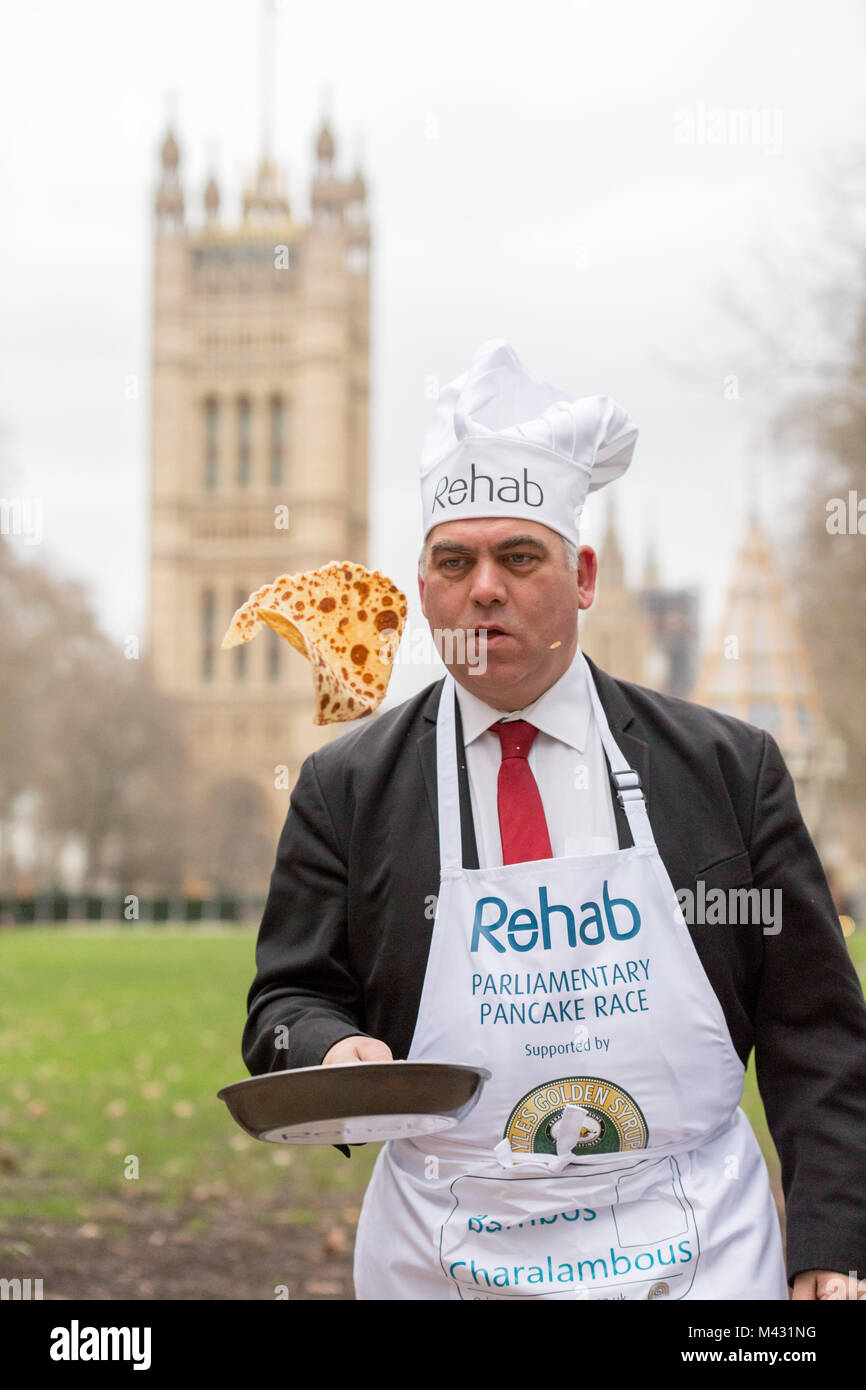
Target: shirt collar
column 562, row 711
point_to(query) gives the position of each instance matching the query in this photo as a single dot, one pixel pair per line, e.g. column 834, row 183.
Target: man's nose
column 488, row 584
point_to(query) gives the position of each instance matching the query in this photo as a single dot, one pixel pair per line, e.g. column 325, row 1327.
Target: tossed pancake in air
column 345, row 619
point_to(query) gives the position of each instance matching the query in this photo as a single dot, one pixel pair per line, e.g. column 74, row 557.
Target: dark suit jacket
column 345, row 934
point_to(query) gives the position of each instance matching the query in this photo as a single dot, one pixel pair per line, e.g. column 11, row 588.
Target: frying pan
column 358, row 1103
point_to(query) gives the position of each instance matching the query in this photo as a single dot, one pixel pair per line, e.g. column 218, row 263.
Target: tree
column 84, row 729
column 828, row 418
column 804, row 318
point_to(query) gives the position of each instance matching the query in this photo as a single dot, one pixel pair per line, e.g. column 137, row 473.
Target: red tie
column 521, row 814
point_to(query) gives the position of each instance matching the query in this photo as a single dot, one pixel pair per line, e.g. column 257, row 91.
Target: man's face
column 501, row 586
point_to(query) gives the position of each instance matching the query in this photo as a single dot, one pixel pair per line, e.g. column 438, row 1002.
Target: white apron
column 607, row 1157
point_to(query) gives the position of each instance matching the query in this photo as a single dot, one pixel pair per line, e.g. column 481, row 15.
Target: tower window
column 208, row 613
column 241, row 653
column 244, row 441
column 277, row 440
column 766, row 716
column 211, row 443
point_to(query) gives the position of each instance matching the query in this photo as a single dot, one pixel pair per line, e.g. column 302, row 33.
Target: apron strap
column 626, row 779
column 447, row 785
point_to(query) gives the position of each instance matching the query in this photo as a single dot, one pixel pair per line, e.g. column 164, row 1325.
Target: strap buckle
column 627, row 782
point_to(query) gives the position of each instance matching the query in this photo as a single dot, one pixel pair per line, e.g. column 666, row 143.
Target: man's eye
column 518, row 558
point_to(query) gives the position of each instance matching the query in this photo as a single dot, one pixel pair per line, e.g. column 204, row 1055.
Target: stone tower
column 758, row 669
column 259, row 454
column 648, row 634
column 614, row 630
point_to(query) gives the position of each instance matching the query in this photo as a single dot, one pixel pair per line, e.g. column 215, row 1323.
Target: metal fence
column 120, row 908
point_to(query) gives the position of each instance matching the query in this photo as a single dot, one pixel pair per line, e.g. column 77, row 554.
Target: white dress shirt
column 567, row 762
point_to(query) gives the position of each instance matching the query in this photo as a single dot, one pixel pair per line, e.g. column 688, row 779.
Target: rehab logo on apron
column 612, row 1120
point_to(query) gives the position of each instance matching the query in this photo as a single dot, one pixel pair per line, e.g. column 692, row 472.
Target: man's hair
column 569, row 550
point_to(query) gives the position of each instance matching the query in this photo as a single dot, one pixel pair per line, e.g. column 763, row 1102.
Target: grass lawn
column 114, row 1042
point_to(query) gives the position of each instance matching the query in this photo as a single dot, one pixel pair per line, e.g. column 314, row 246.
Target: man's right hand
column 357, row 1049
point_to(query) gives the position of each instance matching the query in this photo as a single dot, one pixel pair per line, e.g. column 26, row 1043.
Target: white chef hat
column 504, row 443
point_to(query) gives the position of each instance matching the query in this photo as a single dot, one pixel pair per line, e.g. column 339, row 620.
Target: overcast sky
column 548, row 173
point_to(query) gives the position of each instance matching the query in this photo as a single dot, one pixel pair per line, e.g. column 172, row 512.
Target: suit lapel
column 619, row 716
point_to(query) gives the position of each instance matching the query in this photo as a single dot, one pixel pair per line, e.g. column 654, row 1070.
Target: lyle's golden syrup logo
column 611, row 1119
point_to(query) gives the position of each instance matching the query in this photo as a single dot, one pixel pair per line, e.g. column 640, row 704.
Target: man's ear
column 587, row 572
column 421, row 592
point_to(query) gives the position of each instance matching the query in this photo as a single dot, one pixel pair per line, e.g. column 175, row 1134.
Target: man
column 487, row 874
